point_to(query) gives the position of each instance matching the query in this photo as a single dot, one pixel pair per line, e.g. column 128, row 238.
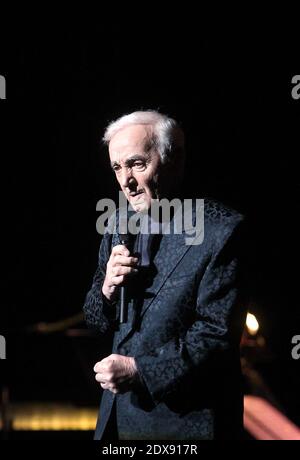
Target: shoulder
column 217, row 214
column 221, row 221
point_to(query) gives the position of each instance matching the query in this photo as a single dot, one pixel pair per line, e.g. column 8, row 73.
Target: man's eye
column 139, row 164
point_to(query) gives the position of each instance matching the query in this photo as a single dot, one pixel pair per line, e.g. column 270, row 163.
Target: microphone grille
column 124, row 238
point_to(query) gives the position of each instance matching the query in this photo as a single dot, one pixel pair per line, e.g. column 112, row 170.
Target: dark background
column 231, row 91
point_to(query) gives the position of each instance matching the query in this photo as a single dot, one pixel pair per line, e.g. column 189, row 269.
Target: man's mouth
column 133, row 194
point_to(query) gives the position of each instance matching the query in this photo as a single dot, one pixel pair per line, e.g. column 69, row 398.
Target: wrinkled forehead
column 135, row 138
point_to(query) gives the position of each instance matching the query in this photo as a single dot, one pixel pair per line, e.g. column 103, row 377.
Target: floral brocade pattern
column 183, row 329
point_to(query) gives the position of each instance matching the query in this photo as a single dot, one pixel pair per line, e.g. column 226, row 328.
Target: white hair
column 168, row 138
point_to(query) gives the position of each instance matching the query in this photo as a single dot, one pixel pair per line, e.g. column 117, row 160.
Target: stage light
column 252, row 324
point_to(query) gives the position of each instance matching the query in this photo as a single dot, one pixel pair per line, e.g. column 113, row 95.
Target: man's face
column 136, row 165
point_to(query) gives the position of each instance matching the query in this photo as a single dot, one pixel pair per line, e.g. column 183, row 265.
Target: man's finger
column 96, row 367
column 104, row 385
column 121, row 250
column 111, row 388
column 125, row 261
column 99, row 378
column 119, row 270
column 100, row 366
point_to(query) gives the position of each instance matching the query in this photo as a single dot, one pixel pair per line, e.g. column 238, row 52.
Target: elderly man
column 174, row 372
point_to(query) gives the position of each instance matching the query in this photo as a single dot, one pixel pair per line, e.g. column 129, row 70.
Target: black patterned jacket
column 183, row 330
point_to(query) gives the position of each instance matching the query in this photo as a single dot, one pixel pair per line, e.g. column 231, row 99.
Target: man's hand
column 119, row 266
column 116, row 373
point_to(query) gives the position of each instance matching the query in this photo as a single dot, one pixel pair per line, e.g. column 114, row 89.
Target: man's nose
column 126, row 177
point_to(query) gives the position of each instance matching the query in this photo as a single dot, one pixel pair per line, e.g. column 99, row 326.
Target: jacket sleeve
column 99, row 313
column 188, row 362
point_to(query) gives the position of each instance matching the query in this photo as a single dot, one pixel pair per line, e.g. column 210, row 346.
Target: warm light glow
column 51, row 416
column 82, row 420
column 252, row 324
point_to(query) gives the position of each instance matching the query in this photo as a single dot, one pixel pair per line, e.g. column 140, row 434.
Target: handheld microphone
column 125, row 240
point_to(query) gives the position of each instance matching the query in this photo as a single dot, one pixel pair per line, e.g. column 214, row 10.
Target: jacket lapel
column 171, row 250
